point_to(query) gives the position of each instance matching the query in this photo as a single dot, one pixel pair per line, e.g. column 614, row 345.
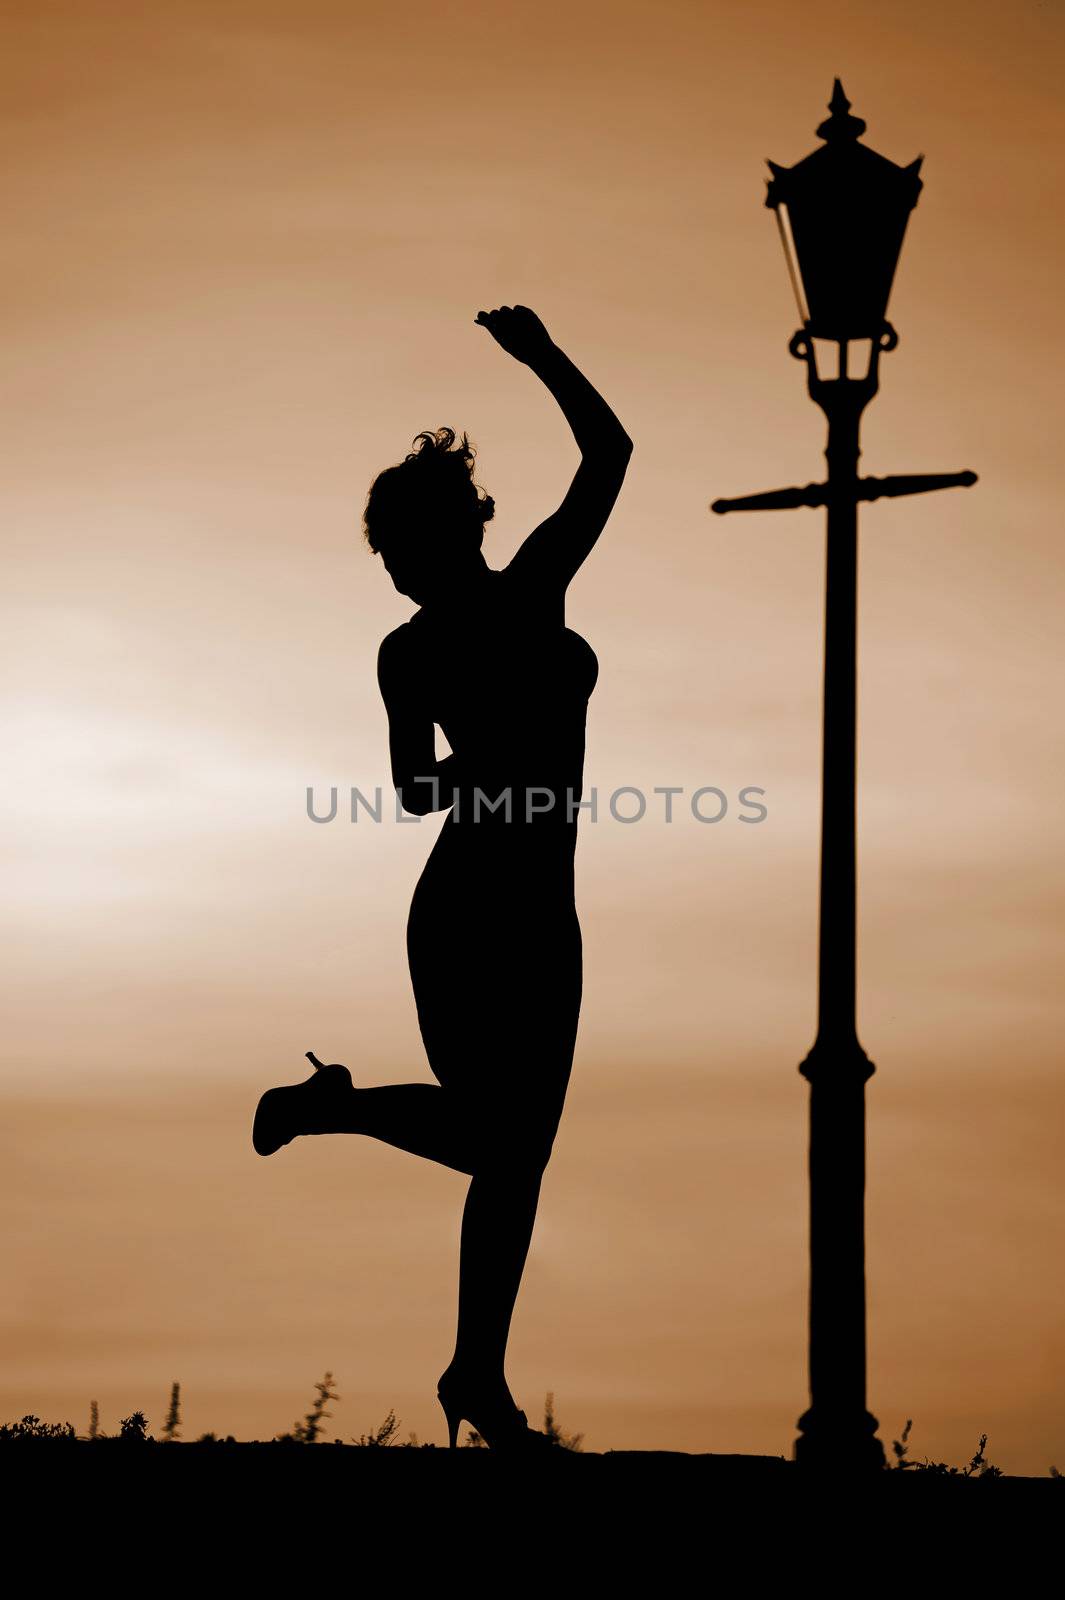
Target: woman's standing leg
column 497, row 1227
column 496, row 966
column 517, row 1118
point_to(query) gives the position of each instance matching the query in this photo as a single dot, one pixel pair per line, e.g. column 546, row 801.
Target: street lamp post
column 842, row 214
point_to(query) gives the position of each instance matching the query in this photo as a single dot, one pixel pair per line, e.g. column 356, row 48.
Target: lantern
column 842, row 213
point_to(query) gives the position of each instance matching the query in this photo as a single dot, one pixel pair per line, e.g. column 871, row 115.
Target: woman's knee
column 516, row 1153
column 510, row 1133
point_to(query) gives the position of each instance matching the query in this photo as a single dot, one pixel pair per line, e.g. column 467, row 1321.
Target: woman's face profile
column 422, row 566
column 410, row 565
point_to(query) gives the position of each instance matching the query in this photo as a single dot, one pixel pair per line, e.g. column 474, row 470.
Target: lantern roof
column 842, row 159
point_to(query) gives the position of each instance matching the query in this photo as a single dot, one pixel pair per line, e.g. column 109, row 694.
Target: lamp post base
column 836, row 1430
column 850, row 1444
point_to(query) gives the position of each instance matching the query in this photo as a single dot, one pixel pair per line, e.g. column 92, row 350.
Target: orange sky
column 245, row 247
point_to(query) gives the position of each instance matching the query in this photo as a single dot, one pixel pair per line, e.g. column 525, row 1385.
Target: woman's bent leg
column 423, row 1118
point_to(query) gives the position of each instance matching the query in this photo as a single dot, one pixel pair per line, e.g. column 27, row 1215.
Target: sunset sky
column 245, row 245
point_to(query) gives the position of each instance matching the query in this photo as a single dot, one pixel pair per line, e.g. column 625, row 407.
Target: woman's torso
column 509, row 684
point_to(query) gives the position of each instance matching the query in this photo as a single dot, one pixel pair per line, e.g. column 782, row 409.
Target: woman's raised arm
column 554, row 551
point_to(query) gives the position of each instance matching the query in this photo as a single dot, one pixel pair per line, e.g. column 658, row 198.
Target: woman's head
column 425, row 517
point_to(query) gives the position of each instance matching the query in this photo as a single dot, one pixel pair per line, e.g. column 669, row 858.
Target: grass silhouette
column 979, row 1466
column 134, row 1430
column 309, row 1429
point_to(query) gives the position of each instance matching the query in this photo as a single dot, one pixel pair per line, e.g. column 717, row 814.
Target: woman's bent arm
column 555, row 550
column 422, row 782
column 595, row 427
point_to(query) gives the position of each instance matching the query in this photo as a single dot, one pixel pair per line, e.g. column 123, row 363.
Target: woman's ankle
column 340, row 1114
column 486, row 1375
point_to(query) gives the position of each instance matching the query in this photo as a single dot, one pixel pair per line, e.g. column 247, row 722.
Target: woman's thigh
column 498, row 1003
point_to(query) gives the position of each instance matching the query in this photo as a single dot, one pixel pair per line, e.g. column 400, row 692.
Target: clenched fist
column 518, row 330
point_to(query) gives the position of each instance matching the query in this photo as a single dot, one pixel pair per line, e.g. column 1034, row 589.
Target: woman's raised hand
column 518, row 330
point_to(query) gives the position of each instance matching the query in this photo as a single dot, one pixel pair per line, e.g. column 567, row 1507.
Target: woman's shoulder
column 397, row 653
column 396, row 643
column 539, row 603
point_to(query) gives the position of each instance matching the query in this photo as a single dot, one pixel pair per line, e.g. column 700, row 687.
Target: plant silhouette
column 134, row 1429
column 565, row 1441
column 493, row 937
column 385, row 1436
column 978, row 1467
column 309, row 1430
column 172, row 1425
column 32, row 1427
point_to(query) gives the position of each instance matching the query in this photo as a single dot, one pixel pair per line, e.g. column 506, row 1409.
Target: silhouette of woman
column 493, row 940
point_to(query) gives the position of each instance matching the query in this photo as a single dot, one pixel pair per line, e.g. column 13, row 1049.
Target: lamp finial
column 840, row 125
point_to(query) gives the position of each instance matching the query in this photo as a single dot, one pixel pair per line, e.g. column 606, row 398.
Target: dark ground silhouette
column 625, row 1514
column 505, row 1521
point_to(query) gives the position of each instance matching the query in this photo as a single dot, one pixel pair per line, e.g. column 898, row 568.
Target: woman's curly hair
column 433, row 479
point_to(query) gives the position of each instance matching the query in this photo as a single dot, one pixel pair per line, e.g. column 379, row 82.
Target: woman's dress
column 493, row 939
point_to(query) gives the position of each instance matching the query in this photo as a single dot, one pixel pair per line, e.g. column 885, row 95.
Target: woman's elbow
column 415, row 798
column 612, row 450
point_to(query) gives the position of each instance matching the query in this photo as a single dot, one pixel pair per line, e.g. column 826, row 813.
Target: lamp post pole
column 837, row 1424
column 833, row 187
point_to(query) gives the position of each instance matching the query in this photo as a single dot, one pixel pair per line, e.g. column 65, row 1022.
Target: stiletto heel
column 498, row 1420
column 284, row 1113
column 453, row 1418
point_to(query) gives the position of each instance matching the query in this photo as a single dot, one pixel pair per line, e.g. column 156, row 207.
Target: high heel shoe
column 496, row 1418
column 284, row 1113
